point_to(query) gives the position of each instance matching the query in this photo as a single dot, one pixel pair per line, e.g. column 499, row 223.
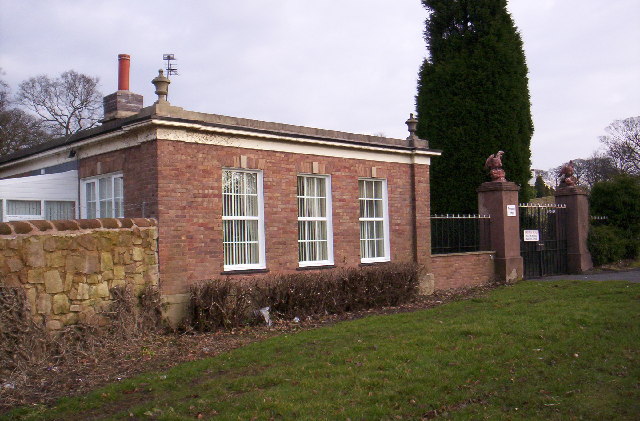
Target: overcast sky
column 346, row 65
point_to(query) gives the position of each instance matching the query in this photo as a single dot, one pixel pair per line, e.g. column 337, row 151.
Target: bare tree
column 598, row 167
column 66, row 105
column 17, row 129
column 623, row 144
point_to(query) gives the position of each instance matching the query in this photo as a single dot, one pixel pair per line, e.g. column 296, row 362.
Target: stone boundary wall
column 460, row 270
column 67, row 268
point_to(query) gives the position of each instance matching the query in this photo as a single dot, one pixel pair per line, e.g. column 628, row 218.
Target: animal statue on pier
column 494, row 165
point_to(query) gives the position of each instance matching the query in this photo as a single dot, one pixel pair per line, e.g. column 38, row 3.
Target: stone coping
column 570, row 191
column 72, row 225
column 498, row 186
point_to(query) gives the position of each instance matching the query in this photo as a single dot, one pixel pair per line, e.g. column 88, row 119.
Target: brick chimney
column 122, row 103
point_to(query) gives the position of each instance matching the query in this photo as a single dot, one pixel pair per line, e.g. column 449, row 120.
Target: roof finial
column 412, row 125
column 161, row 82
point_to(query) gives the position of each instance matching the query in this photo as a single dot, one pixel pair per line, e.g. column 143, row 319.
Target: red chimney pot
column 124, row 61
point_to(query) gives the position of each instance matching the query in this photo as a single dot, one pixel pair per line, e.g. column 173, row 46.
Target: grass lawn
column 536, row 350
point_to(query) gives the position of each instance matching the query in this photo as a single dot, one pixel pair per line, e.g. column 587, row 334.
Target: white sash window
column 315, row 236
column 374, row 220
column 242, row 220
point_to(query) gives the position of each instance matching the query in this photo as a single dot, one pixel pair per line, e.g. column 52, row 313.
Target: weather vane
column 171, row 68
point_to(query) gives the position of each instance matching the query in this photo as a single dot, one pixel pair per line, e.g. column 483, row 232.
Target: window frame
column 6, row 216
column 384, row 219
column 95, row 181
column 260, row 218
column 328, row 219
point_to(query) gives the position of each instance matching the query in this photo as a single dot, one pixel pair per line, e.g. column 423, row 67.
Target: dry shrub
column 132, row 315
column 21, row 339
column 26, row 347
column 226, row 304
column 219, row 304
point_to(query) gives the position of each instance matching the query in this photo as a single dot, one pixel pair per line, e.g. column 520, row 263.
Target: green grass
column 536, row 350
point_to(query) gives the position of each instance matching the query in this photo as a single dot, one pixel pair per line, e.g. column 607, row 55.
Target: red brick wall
column 189, row 189
column 140, row 174
column 462, row 269
column 182, row 190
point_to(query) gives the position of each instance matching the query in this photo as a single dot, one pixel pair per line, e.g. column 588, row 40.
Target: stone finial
column 494, row 165
column 161, row 82
column 412, row 125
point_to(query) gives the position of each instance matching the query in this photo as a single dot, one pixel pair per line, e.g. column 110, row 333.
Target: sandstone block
column 65, row 243
column 87, row 242
column 99, row 291
column 151, row 276
column 150, row 258
column 56, row 259
column 52, row 282
column 35, row 276
column 31, row 294
column 68, row 281
column 43, row 304
column 118, row 272
column 33, row 253
column 83, row 292
column 60, row 304
column 106, row 261
column 11, row 280
column 15, row 264
column 75, row 308
column 105, row 243
column 137, row 241
column 125, row 240
column 137, row 254
column 70, row 319
column 107, row 276
column 118, row 283
column 54, row 325
column 93, row 279
column 126, row 258
column 73, row 263
column 138, row 279
column 91, row 263
column 49, row 244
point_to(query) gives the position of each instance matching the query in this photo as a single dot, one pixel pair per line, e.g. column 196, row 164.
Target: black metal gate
column 543, row 239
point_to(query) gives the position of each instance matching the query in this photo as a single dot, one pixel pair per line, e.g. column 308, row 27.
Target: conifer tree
column 541, row 188
column 473, row 99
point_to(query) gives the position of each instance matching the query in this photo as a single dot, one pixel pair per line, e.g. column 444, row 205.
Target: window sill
column 243, row 271
column 377, row 262
column 318, row 267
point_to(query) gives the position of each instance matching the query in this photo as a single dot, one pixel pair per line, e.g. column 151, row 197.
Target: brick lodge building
column 231, row 196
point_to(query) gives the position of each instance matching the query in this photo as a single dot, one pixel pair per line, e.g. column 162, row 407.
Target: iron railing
column 459, row 233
